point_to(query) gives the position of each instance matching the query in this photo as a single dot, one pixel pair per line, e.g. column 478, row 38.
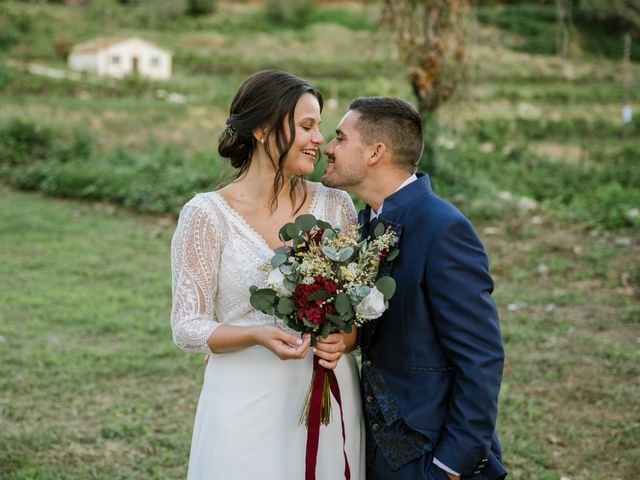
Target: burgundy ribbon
column 313, row 427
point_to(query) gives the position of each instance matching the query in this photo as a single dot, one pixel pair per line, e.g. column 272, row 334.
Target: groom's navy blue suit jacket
column 432, row 363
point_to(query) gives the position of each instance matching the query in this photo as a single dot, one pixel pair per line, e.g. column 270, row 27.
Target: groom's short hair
column 394, row 122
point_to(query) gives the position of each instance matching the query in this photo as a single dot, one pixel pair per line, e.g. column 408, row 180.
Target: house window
column 155, row 61
column 115, row 59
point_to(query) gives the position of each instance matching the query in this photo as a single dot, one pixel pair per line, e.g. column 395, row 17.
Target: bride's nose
column 317, row 138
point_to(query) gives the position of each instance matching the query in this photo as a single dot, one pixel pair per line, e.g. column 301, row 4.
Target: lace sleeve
column 347, row 211
column 195, row 258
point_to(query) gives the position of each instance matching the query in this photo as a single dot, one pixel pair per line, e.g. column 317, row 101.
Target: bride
column 258, row 370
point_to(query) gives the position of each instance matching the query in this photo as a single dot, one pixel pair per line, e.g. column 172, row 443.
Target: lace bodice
column 215, row 258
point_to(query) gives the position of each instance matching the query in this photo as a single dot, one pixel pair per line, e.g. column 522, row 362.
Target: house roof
column 101, row 43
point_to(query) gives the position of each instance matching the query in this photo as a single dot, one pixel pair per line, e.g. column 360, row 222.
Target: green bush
column 499, row 130
column 289, row 13
column 601, row 192
column 349, row 18
column 533, row 25
column 201, row 7
column 9, row 32
column 70, row 165
column 23, row 142
column 472, row 166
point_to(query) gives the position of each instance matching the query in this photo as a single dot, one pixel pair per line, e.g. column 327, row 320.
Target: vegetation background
column 94, row 171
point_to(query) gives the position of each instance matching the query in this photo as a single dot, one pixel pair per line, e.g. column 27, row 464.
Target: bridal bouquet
column 326, row 280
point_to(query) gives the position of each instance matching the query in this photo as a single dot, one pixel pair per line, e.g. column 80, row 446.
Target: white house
column 117, row 57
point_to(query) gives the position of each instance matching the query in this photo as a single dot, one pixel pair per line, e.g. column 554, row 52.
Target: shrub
column 290, row 13
column 23, row 142
column 69, row 165
column 201, row 7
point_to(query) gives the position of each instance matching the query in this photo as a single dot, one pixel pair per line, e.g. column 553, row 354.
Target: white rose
column 371, row 306
column 275, row 280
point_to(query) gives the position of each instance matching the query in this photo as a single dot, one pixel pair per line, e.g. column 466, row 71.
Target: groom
column 432, row 363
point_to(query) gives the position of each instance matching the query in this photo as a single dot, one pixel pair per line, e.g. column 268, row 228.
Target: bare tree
column 564, row 26
column 431, row 41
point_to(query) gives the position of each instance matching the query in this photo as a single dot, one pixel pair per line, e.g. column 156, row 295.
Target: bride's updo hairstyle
column 266, row 99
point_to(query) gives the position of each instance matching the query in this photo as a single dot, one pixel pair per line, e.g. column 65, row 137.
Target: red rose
column 314, row 310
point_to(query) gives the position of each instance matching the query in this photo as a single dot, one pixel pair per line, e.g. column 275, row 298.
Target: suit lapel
column 384, row 269
column 364, row 216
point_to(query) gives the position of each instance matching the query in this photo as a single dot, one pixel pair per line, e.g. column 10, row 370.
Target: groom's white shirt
column 374, row 214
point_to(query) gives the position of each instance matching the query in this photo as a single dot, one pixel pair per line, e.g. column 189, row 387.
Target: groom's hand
column 330, row 349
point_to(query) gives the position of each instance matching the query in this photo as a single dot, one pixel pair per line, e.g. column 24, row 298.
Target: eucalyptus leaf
column 387, row 286
column 305, row 222
column 278, row 259
column 285, row 306
column 379, row 230
column 328, row 234
column 286, row 269
column 297, row 240
column 282, row 251
column 339, row 323
column 317, row 295
column 347, row 328
column 345, row 254
column 342, row 303
column 392, row 255
column 323, row 224
column 253, row 288
column 347, row 316
column 289, row 285
column 308, row 323
column 263, row 299
column 326, row 330
column 333, row 317
column 356, row 294
column 330, row 253
column 292, row 230
column 284, row 233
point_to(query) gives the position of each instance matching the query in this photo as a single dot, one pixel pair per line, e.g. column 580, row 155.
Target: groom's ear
column 376, row 152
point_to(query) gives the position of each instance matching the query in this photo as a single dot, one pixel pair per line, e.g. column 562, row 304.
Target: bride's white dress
column 246, row 424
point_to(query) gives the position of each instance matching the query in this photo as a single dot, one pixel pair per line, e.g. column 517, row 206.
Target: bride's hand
column 283, row 345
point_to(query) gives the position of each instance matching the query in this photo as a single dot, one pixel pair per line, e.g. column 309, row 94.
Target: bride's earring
column 262, row 141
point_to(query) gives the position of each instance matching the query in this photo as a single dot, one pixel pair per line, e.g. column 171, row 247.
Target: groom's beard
column 336, row 178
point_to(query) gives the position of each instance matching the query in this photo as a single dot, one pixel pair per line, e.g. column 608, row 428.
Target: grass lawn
column 92, row 386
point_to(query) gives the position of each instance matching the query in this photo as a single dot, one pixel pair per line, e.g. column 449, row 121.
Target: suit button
column 369, row 399
column 375, row 427
column 367, row 363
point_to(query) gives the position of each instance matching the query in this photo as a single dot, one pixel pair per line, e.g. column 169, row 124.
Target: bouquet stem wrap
column 318, row 403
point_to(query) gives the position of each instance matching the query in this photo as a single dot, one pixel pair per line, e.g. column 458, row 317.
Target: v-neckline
column 238, row 216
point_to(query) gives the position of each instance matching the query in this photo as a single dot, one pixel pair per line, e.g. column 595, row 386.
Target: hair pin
column 228, row 129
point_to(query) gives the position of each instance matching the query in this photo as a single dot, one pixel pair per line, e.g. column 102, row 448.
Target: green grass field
column 91, row 385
